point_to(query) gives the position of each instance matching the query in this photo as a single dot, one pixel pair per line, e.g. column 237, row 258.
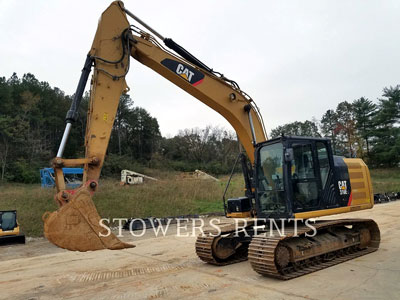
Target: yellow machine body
column 361, row 196
column 75, row 225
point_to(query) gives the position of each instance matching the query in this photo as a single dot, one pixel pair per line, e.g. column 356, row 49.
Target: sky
column 296, row 59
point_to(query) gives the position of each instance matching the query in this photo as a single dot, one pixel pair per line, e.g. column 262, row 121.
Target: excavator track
column 204, row 250
column 268, row 252
column 224, row 247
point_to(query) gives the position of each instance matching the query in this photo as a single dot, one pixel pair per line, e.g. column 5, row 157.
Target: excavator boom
column 75, row 225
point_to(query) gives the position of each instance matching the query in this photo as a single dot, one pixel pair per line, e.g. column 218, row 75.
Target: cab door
column 305, row 178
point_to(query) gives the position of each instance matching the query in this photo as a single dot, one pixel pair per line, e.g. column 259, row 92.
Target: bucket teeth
column 76, row 226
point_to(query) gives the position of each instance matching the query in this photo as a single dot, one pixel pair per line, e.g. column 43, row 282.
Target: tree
column 345, row 129
column 135, row 133
column 120, row 123
column 329, row 125
column 364, row 111
column 306, row 128
column 386, row 135
column 31, row 124
column 211, row 149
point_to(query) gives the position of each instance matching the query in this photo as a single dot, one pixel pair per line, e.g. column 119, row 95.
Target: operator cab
column 297, row 174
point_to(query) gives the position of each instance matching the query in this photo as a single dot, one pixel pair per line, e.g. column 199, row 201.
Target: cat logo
column 342, row 187
column 184, row 72
column 188, row 73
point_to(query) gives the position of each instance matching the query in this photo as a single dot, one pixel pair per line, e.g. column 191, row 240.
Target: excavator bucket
column 76, row 226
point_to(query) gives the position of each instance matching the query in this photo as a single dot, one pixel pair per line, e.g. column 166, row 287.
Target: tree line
column 32, row 123
column 361, row 128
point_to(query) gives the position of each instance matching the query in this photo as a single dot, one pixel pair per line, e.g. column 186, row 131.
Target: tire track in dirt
column 107, row 275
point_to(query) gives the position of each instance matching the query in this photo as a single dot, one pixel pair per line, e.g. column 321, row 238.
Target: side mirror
column 289, row 155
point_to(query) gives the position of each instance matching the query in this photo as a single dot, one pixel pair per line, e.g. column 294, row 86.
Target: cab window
column 304, row 178
column 270, row 179
column 323, row 160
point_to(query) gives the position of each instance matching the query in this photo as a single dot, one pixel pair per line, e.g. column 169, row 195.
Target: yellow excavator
column 286, row 178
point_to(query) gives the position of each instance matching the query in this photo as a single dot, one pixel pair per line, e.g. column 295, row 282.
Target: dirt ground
column 167, row 267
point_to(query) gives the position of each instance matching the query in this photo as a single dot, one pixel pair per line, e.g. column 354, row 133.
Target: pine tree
column 386, row 135
column 364, row 111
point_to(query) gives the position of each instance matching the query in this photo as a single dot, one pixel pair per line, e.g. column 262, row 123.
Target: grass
column 385, row 180
column 31, row 202
column 166, row 197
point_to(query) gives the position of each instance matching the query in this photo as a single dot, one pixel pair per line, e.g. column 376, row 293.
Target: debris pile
column 197, row 174
column 130, row 177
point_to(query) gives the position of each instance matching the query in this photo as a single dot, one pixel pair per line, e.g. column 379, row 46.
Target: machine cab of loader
column 9, row 228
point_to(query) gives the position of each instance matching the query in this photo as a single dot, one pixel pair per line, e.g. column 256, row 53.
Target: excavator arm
column 76, row 224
